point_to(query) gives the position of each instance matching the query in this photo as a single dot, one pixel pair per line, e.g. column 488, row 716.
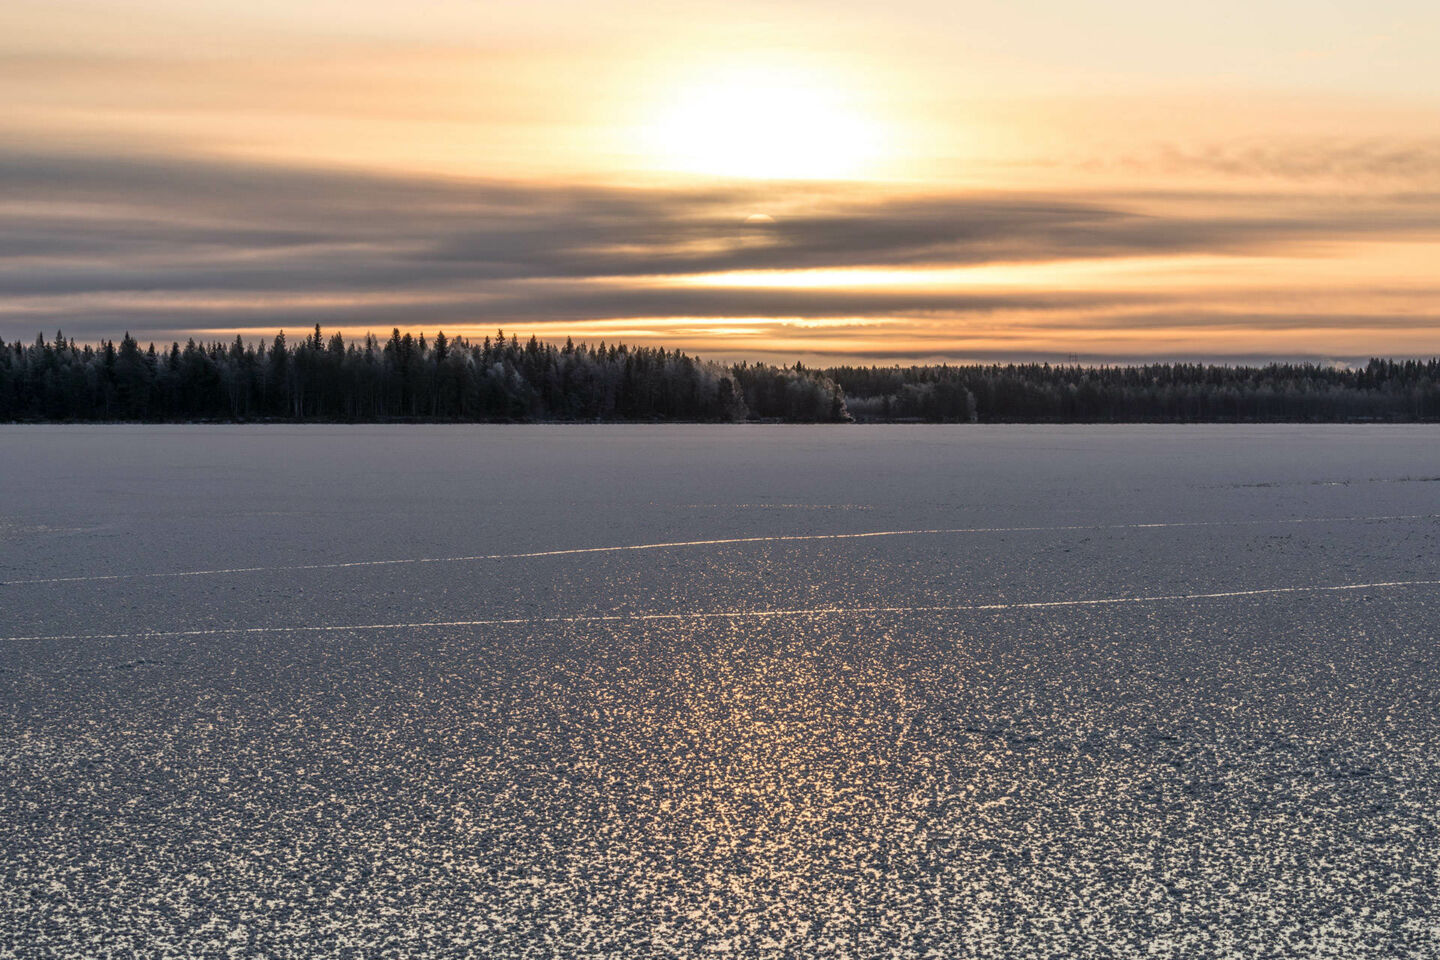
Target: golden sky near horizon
column 914, row 180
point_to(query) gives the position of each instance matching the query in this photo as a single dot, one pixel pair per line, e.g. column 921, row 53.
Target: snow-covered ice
column 719, row 691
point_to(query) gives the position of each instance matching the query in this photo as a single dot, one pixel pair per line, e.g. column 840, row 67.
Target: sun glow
column 764, row 123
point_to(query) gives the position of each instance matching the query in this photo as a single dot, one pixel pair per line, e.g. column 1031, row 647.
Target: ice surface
column 893, row 773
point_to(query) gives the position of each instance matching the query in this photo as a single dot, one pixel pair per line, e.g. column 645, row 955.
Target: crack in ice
column 679, row 544
column 738, row 614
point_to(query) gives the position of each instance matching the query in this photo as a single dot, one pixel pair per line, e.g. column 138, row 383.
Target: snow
column 733, row 691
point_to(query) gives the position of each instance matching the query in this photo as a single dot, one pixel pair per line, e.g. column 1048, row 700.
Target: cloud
column 1412, row 162
column 99, row 243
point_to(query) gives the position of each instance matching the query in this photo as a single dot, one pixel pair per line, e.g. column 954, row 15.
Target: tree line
column 324, row 377
column 1388, row 390
column 321, row 377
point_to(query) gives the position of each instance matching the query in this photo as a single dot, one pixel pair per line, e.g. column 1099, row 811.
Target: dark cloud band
column 96, row 243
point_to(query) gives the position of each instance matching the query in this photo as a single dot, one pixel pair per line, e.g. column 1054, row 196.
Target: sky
column 834, row 181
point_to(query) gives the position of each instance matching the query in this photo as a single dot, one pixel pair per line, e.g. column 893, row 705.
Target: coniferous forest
column 323, row 377
column 1387, row 390
column 406, row 377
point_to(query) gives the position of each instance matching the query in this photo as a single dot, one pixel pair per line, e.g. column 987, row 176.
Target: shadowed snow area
column 691, row 691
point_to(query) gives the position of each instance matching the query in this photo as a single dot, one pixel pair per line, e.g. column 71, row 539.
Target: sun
column 763, row 122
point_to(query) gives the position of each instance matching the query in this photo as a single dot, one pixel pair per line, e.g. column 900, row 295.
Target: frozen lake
column 978, row 691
